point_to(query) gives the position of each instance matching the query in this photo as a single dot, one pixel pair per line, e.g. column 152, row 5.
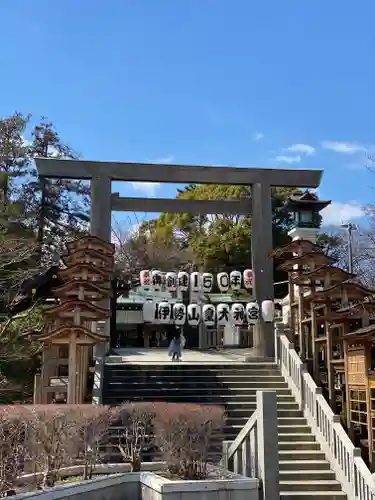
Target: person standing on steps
column 175, row 347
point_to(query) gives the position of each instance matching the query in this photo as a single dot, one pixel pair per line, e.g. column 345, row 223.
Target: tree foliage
column 51, row 209
column 217, row 241
column 35, row 218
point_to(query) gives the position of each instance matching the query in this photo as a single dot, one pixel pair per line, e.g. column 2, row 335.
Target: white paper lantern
column 268, row 311
column 252, row 312
column 183, row 281
column 157, row 279
column 149, row 311
column 209, row 314
column 237, row 314
column 164, row 312
column 235, row 280
column 195, row 281
column 248, row 278
column 193, row 314
column 145, row 277
column 223, row 314
column 223, row 282
column 171, row 282
column 207, row 282
column 179, row 314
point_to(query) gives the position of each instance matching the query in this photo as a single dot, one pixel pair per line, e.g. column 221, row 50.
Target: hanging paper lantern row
column 197, row 281
column 222, row 315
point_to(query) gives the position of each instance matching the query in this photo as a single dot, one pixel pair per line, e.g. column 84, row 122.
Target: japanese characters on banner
column 223, row 282
column 248, row 278
column 193, row 314
column 183, row 281
column 197, row 282
column 179, row 314
column 222, row 315
column 252, row 312
column 235, row 280
column 237, row 314
column 209, row 314
column 164, row 312
column 171, row 281
column 207, row 282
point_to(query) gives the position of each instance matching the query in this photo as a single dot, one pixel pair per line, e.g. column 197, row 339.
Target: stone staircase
column 304, row 471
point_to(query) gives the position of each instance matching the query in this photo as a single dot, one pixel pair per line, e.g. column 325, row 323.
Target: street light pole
column 350, row 228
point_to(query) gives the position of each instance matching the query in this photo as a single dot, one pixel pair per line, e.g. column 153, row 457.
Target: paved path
column 160, row 356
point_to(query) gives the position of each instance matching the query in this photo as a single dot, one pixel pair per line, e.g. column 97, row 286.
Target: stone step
column 301, row 454
column 299, row 445
column 304, row 485
column 292, row 421
column 312, row 495
column 291, row 429
column 248, row 388
column 242, row 380
column 231, row 366
column 194, row 375
column 309, row 475
column 296, row 437
column 302, row 465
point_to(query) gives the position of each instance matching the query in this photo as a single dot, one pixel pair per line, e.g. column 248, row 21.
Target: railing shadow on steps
column 344, row 457
column 254, row 452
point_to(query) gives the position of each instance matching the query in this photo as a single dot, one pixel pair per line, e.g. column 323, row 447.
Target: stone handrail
column 344, row 457
column 254, row 452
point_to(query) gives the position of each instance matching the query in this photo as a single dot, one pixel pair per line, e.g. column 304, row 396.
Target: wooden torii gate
column 103, row 202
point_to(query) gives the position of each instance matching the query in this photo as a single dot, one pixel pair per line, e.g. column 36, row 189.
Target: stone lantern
column 305, row 208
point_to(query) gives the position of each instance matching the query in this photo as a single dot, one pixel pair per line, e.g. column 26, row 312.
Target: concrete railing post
column 268, row 447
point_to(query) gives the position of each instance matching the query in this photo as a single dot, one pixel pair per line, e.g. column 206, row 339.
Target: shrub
column 137, row 434
column 185, row 434
column 92, row 425
column 52, row 439
column 12, row 446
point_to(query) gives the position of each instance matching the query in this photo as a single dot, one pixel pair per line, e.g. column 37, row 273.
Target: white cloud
column 338, row 213
column 258, row 136
column 147, row 188
column 164, row 159
column 288, row 159
column 346, row 148
column 150, row 188
column 301, row 148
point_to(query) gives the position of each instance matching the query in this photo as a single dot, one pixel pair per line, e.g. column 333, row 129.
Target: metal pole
column 350, row 248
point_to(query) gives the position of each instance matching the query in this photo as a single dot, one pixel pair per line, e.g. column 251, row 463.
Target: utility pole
column 350, row 228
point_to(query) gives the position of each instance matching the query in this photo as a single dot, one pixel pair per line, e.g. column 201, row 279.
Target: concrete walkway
column 160, row 356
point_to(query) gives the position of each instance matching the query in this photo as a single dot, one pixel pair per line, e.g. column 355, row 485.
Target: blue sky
column 248, row 83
